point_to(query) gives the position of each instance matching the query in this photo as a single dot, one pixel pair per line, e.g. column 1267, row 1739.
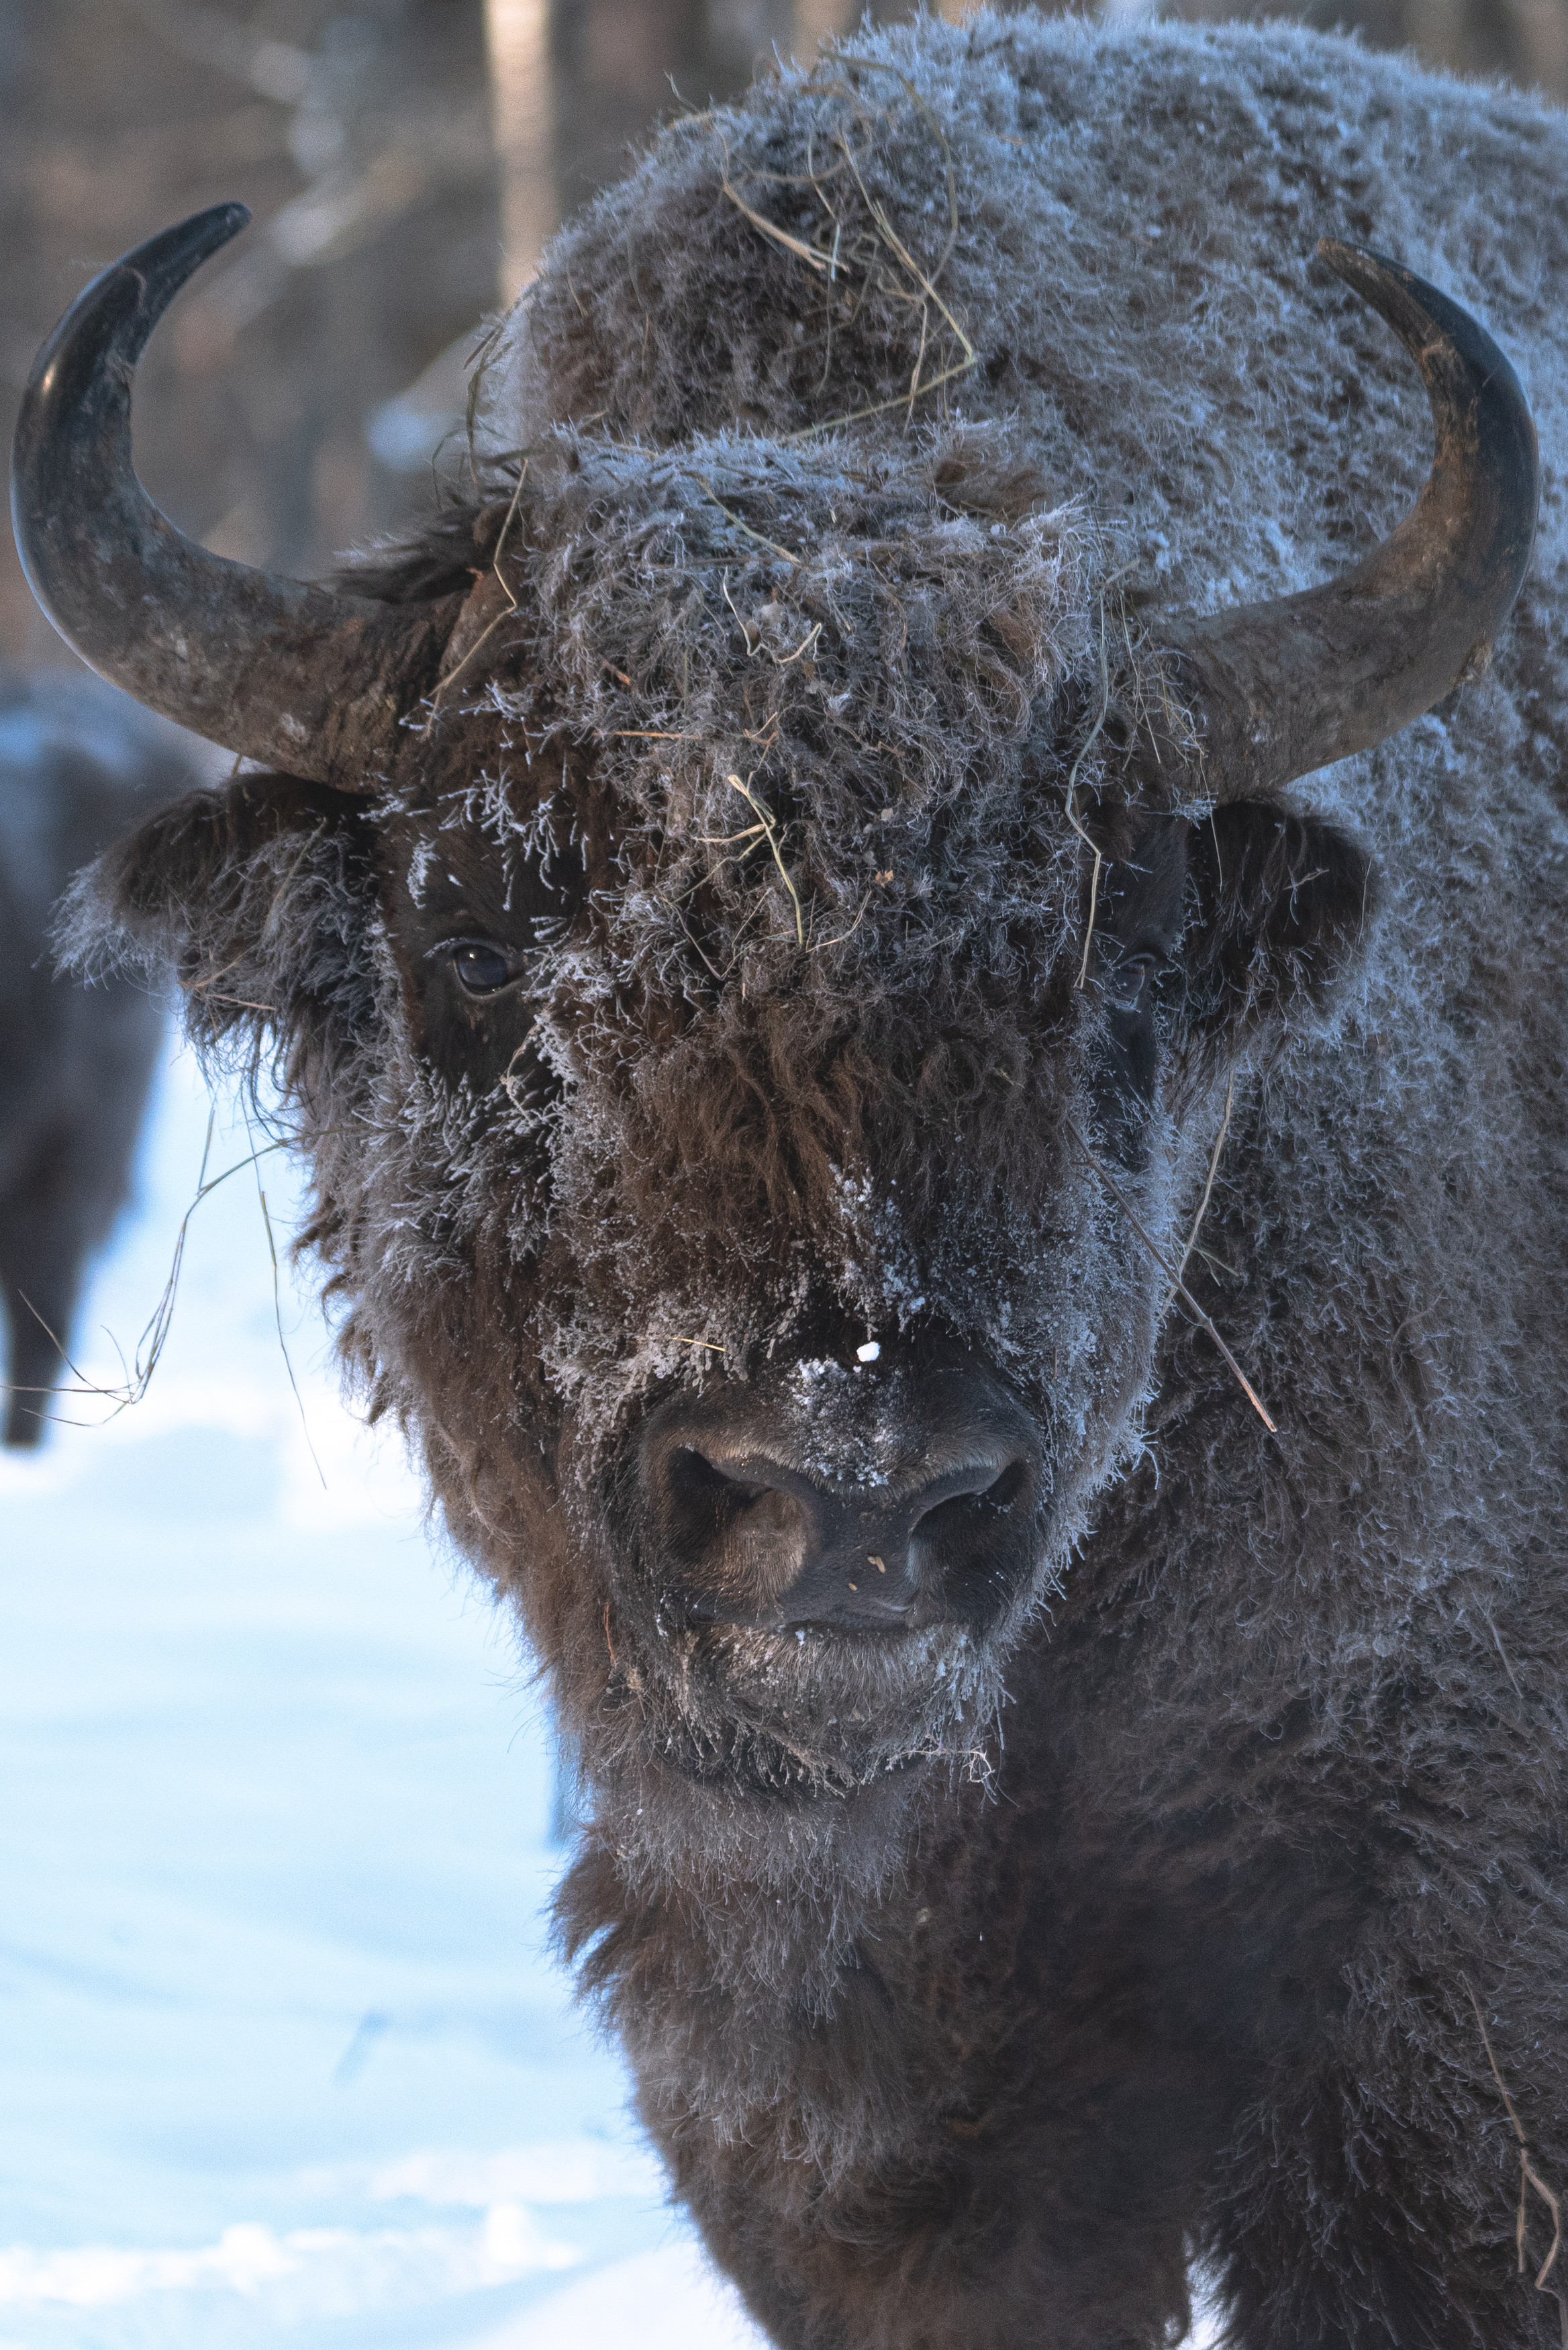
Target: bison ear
column 211, row 889
column 1278, row 906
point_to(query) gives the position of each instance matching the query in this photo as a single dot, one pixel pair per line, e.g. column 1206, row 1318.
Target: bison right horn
column 316, row 683
column 1275, row 689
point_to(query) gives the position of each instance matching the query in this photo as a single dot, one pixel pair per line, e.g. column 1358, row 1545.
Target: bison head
column 752, row 934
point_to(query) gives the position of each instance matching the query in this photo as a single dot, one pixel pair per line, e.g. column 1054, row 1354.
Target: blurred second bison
column 79, row 764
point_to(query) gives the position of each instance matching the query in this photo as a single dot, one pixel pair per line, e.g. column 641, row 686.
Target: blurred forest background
column 404, row 160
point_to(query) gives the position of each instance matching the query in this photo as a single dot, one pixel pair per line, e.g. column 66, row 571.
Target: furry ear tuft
column 1281, row 903
column 444, row 556
column 243, row 895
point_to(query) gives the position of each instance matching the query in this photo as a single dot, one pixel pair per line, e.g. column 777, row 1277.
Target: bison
column 915, row 947
column 79, row 764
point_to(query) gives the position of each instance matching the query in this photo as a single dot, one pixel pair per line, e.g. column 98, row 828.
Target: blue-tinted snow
column 283, row 2056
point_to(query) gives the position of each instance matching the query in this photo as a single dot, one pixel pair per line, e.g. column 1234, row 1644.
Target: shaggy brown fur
column 976, row 1980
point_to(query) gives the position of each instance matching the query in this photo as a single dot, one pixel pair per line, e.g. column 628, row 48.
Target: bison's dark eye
column 1127, row 982
column 483, row 968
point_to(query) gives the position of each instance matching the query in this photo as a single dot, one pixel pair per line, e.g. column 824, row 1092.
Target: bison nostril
column 966, row 1544
column 916, row 1509
column 694, row 1481
column 993, row 1500
column 730, row 1535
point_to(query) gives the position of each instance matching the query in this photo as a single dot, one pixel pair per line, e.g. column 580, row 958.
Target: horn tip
column 197, row 239
column 1359, row 267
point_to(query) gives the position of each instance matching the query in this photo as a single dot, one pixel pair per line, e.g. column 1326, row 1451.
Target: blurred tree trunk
column 363, row 145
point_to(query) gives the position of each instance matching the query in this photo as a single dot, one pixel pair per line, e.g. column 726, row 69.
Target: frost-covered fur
column 971, row 1989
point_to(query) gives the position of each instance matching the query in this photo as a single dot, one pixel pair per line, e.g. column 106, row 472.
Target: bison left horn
column 1275, row 689
column 316, row 683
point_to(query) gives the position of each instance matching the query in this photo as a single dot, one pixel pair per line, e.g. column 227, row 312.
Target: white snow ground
column 285, row 2058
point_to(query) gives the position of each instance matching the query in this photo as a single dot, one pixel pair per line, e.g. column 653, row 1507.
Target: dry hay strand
column 767, row 825
column 1208, row 1185
column 1529, row 2178
column 868, row 251
column 1179, row 1289
column 130, row 1390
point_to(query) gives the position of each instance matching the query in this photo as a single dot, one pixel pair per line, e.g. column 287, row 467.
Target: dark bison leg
column 1362, row 2211
column 66, row 1185
column 1005, row 2252
column 47, row 1227
column 999, row 2139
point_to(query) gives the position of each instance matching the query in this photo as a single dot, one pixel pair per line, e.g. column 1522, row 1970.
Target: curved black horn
column 307, row 680
column 1278, row 688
